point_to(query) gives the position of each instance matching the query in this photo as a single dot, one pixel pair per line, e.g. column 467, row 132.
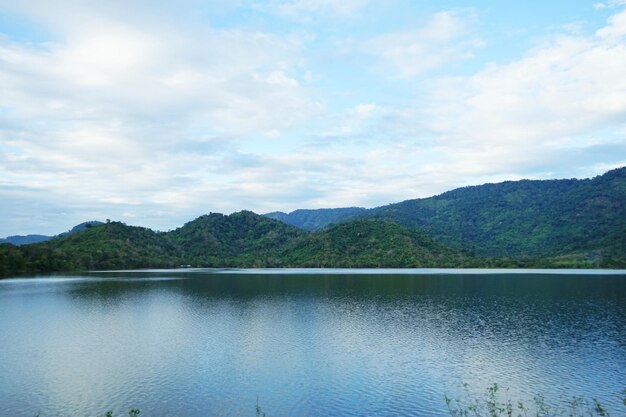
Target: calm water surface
column 340, row 343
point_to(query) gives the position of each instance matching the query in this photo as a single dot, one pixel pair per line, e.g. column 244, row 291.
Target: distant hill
column 317, row 219
column 518, row 219
column 80, row 227
column 19, row 240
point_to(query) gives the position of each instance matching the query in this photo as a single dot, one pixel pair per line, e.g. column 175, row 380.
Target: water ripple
column 341, row 345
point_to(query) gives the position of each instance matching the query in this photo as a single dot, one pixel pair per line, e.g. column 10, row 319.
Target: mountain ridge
column 529, row 223
column 315, row 219
column 19, row 240
column 242, row 239
column 526, row 218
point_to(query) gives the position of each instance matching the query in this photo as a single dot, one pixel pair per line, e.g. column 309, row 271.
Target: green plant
column 259, row 410
column 497, row 403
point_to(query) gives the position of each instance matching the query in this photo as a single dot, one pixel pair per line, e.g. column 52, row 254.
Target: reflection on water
column 201, row 344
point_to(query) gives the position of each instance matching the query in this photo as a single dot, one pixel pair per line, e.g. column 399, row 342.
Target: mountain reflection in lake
column 203, row 343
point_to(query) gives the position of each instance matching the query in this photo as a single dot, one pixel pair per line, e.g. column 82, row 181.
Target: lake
column 307, row 342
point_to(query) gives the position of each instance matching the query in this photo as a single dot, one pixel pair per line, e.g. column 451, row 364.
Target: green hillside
column 113, row 246
column 106, row 246
column 373, row 243
column 215, row 240
column 571, row 219
column 523, row 218
column 557, row 223
column 240, row 239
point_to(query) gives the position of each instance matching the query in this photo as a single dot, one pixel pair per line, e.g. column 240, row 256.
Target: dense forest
column 373, row 243
column 553, row 224
column 513, row 219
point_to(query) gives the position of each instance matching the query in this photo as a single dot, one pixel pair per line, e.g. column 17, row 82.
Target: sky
column 155, row 112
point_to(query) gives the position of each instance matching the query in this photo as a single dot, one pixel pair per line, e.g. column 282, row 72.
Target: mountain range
column 528, row 218
column 538, row 223
column 19, row 240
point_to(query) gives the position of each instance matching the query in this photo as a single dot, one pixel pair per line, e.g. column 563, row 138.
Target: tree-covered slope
column 317, row 219
column 239, row 239
column 372, row 243
column 557, row 223
column 12, row 260
column 522, row 218
column 516, row 219
column 113, row 246
column 105, row 246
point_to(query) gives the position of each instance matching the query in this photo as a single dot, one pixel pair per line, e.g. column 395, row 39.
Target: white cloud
column 355, row 122
column 609, row 4
column 508, row 117
column 216, row 78
column 444, row 39
column 306, row 10
column 559, row 110
column 123, row 111
column 147, row 120
column 616, row 29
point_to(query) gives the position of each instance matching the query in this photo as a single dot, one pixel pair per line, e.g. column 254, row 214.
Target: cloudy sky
column 154, row 112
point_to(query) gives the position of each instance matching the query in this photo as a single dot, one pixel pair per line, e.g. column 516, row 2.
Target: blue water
column 313, row 342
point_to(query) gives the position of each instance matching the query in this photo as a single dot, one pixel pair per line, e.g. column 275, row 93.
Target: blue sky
column 154, row 112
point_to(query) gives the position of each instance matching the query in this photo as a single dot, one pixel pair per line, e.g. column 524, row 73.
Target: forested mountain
column 240, row 239
column 106, row 246
column 373, row 243
column 519, row 219
column 522, row 218
column 557, row 223
column 318, row 218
